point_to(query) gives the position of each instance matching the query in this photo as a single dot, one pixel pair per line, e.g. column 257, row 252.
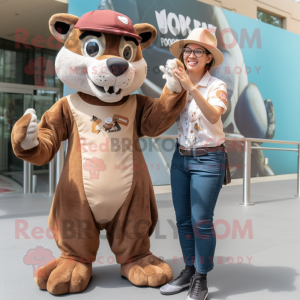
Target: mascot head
column 102, row 53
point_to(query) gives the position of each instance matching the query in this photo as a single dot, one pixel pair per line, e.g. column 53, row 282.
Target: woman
column 198, row 164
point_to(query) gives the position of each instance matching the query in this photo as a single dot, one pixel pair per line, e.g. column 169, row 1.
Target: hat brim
column 112, row 31
column 176, row 50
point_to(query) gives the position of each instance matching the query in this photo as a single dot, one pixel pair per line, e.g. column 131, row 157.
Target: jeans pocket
column 200, row 158
column 211, row 162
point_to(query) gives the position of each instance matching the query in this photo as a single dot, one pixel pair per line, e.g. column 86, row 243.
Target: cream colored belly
column 107, row 158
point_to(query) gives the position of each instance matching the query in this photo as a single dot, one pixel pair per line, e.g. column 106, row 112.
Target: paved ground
column 268, row 267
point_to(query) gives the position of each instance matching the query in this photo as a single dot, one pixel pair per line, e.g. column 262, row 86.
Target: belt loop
column 223, row 146
column 194, row 152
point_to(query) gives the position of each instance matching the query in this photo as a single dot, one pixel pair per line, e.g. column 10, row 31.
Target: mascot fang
column 101, row 58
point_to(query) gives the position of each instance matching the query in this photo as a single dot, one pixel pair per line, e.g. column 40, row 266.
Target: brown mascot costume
column 101, row 58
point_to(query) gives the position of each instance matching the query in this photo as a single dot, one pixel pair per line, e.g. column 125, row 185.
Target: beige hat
column 202, row 37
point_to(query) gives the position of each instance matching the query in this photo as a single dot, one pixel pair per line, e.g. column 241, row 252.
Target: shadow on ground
column 228, row 279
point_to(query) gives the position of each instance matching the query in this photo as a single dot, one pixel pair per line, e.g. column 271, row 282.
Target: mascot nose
column 117, row 66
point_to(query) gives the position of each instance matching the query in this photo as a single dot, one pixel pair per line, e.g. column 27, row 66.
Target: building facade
column 27, row 78
column 286, row 10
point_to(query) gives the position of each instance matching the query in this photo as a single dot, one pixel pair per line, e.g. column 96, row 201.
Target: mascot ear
column 61, row 25
column 147, row 32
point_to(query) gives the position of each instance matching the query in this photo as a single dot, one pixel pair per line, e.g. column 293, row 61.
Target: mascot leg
column 77, row 235
column 129, row 237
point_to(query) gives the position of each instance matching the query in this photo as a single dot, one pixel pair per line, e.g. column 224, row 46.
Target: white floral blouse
column 194, row 130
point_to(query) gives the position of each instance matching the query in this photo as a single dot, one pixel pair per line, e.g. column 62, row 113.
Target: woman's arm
column 211, row 112
column 156, row 115
column 213, row 107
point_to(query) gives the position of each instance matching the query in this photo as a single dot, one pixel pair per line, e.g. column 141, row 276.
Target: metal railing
column 30, row 180
column 247, row 160
column 29, row 184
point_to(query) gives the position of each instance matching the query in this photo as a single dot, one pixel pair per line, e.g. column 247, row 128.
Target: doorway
column 12, row 107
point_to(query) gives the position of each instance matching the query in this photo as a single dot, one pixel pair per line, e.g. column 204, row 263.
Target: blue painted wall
column 278, row 79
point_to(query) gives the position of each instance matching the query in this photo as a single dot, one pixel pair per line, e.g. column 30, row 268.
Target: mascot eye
column 92, row 48
column 127, row 52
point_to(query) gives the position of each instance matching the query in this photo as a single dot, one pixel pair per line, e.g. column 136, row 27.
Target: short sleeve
column 218, row 95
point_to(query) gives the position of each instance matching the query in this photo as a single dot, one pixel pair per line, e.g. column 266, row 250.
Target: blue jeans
column 196, row 183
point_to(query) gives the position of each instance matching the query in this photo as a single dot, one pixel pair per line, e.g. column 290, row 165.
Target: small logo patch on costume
column 94, row 166
column 123, row 19
column 113, row 124
column 95, row 125
column 222, row 96
column 123, row 120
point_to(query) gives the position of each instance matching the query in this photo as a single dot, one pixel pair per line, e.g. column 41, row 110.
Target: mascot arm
column 172, row 83
column 155, row 116
column 38, row 144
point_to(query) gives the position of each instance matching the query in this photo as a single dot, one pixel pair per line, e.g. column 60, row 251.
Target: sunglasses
column 197, row 52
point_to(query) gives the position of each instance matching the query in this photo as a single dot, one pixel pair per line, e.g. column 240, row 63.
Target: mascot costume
column 105, row 183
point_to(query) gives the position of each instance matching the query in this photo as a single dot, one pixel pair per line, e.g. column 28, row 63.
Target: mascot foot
column 149, row 270
column 63, row 276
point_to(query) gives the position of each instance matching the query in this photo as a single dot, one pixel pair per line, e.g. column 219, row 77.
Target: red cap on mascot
column 108, row 21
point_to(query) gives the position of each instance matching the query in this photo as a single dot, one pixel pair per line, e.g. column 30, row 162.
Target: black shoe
column 198, row 288
column 180, row 283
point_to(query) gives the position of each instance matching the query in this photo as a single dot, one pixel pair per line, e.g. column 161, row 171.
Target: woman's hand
column 184, row 79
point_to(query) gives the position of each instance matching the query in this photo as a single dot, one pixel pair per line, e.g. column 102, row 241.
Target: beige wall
column 31, row 16
column 289, row 10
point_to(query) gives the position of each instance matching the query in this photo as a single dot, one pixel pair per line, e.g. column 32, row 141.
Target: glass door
column 42, row 101
column 12, row 108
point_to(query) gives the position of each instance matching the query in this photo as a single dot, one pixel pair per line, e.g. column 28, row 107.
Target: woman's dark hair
column 207, row 67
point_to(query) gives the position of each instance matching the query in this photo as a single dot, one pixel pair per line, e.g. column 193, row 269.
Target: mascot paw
column 63, row 276
column 147, row 271
column 31, row 140
column 173, row 83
